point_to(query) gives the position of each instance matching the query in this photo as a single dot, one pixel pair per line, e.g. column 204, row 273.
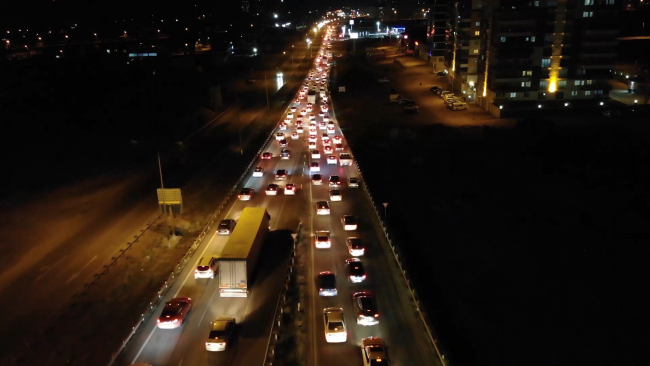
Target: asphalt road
column 398, row 325
column 55, row 244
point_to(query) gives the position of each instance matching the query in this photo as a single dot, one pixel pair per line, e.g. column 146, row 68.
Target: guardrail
column 153, row 304
column 414, row 297
column 282, row 300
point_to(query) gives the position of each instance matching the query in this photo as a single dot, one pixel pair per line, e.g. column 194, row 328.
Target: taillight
column 376, row 315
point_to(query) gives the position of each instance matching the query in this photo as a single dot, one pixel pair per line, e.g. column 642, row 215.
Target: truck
column 311, row 97
column 345, row 159
column 394, row 95
column 239, row 256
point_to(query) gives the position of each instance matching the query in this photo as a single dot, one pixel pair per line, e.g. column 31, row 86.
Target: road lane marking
column 207, row 307
column 82, row 268
column 293, row 171
column 49, row 269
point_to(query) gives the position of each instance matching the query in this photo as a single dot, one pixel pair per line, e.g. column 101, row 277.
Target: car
column 272, row 189
column 349, row 222
column 458, row 106
column 384, row 80
column 221, row 333
column 322, row 126
column 373, row 352
column 335, row 195
column 326, row 119
column 322, row 239
column 311, row 145
column 325, row 99
column 290, row 189
column 331, row 160
column 309, row 108
column 226, row 227
column 328, row 149
column 285, row 154
column 337, row 139
column 411, row 109
column 327, row 142
column 355, row 270
column 434, row 89
column 338, row 147
column 296, row 102
column 266, row 156
column 315, row 154
column 299, row 129
column 450, row 101
column 290, row 115
column 312, row 118
column 246, row 194
column 335, row 330
column 444, row 94
column 207, row 267
column 283, row 126
column 299, row 122
column 353, row 182
column 258, row 172
column 335, row 181
column 316, row 179
column 331, row 129
column 174, row 313
column 324, row 108
column 295, row 136
column 303, row 112
column 283, row 143
column 326, row 284
column 314, row 166
column 294, row 109
column 321, row 114
column 355, row 247
column 281, row 174
column 322, row 208
column 403, row 101
column 313, row 138
column 279, row 136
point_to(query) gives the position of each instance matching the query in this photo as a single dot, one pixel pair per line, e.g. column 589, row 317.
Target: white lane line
column 49, row 269
column 290, row 180
column 145, row 343
column 82, row 268
column 207, row 307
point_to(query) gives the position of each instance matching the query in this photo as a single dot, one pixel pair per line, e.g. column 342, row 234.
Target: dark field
column 526, row 244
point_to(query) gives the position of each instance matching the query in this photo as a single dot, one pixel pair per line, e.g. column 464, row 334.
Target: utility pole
column 162, row 187
column 266, row 87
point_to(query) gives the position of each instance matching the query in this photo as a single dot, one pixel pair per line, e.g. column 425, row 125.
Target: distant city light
column 275, row 16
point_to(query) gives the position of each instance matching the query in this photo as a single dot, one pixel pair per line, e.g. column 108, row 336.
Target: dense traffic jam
column 309, row 114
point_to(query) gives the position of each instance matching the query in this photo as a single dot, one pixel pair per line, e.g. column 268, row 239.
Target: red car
column 174, row 313
column 267, row 156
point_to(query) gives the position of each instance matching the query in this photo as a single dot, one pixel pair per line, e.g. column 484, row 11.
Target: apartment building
column 438, row 45
column 526, row 55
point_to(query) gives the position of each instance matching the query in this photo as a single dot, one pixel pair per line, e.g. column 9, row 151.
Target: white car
column 312, row 145
column 322, row 208
column 331, row 160
column 283, row 126
column 326, row 119
column 321, row 114
column 295, row 136
column 324, row 108
column 330, row 129
column 279, row 136
column 349, row 222
column 337, row 139
column 290, row 189
column 355, row 247
column 313, row 138
column 312, row 117
column 315, row 154
column 335, row 195
column 258, row 172
column 300, row 130
column 221, row 334
column 322, row 126
column 289, row 115
column 314, row 167
column 373, row 351
column 335, row 330
column 272, row 190
column 294, row 109
column 322, row 240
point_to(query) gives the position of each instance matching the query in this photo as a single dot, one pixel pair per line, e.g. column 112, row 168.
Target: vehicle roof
column 221, row 322
column 241, row 239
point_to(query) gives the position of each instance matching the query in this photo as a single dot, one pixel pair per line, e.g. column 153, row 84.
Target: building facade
column 526, row 55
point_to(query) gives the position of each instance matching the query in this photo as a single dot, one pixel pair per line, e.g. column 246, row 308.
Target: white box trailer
column 239, row 257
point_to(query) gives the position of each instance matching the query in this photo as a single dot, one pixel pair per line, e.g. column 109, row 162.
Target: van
column 458, row 106
column 207, row 267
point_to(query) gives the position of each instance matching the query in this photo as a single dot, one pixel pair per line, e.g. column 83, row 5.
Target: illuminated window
column 546, row 62
column 503, row 39
column 588, row 82
column 574, row 93
column 610, row 2
column 532, row 39
column 476, row 50
column 526, row 73
column 543, row 84
column 478, row 24
column 599, row 92
column 525, row 84
column 579, row 82
column 476, row 33
column 587, row 92
column 589, row 2
column 561, row 83
column 513, row 95
column 587, row 14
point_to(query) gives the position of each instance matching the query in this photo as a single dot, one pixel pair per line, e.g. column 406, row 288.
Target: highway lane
column 398, row 325
column 187, row 344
